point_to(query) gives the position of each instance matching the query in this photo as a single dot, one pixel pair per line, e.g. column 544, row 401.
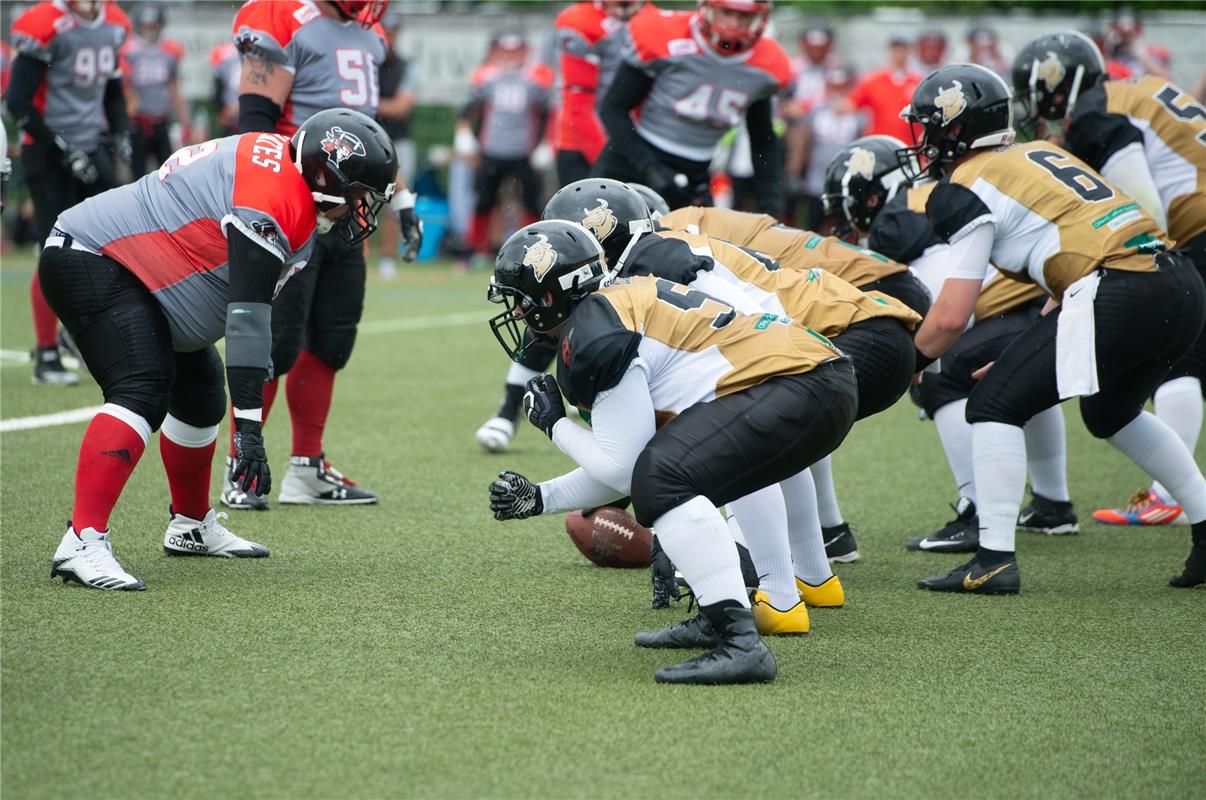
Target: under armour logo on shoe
column 120, row 455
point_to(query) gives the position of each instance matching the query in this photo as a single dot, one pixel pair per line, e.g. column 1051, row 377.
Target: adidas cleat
column 739, row 656
column 313, row 481
column 495, row 434
column 773, row 622
column 839, row 544
column 1052, row 517
column 48, row 368
column 828, row 594
column 87, row 559
column 960, row 535
column 207, row 537
column 234, row 497
column 976, row 578
column 1145, row 508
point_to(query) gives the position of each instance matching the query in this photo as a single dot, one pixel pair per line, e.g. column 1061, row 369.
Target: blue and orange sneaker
column 1145, row 508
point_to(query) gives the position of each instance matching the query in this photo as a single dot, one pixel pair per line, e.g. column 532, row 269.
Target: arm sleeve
column 575, row 490
column 254, row 271
column 764, row 150
column 26, row 76
column 115, row 106
column 968, row 257
column 257, row 114
column 628, row 90
column 1129, row 171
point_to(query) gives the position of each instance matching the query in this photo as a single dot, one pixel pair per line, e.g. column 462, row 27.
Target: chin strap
column 636, row 229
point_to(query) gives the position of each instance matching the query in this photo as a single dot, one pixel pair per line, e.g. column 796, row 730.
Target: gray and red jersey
column 334, row 62
column 698, row 94
column 169, row 227
column 81, row 57
column 149, row 69
column 514, row 104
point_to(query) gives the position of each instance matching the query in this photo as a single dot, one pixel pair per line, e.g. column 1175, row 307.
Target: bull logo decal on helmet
column 600, row 220
column 861, row 163
column 339, row 145
column 1051, row 71
column 540, row 257
column 951, row 102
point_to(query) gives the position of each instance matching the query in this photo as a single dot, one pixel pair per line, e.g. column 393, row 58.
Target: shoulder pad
column 663, row 34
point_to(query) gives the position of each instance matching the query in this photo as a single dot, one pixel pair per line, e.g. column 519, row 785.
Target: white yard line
column 49, row 420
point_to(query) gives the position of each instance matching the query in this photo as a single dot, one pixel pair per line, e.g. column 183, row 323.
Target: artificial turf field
column 419, row 648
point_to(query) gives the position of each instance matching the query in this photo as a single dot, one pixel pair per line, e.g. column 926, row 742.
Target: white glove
column 464, row 143
column 542, row 157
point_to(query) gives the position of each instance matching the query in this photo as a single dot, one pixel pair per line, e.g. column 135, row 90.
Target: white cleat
column 87, row 559
column 312, row 481
column 495, row 434
column 234, row 497
column 207, row 537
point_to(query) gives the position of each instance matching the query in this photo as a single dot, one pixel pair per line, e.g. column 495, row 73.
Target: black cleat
column 960, row 535
column 977, row 578
column 1194, row 572
column 48, row 368
column 693, row 632
column 839, row 543
column 739, row 657
column 1052, row 517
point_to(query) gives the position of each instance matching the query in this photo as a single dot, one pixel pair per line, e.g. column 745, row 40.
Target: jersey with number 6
column 1055, row 220
column 698, row 95
column 692, row 347
column 1167, row 123
column 169, row 227
column 334, row 62
column 81, row 57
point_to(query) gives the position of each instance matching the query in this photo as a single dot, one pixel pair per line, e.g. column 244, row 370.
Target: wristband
column 402, row 199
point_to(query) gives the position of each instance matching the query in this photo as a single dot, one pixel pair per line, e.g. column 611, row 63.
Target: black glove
column 76, row 160
column 124, row 147
column 412, row 232
column 513, row 496
column 542, row 403
column 251, row 464
column 661, row 570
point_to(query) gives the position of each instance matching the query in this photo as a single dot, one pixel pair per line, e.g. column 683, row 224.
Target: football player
column 866, row 191
column 149, row 276
column 66, row 96
column 694, row 75
column 590, row 40
column 150, row 65
column 692, row 405
column 1148, row 137
column 1121, row 310
column 300, row 57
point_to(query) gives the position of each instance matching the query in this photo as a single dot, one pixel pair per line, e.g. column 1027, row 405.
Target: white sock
column 696, row 538
column 827, row 503
column 519, row 375
column 1047, row 455
column 999, row 459
column 187, row 435
column 804, row 529
column 763, row 519
column 1179, row 406
column 955, row 433
column 1159, row 452
column 735, row 531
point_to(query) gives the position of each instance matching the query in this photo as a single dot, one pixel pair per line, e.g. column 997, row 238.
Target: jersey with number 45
column 334, row 62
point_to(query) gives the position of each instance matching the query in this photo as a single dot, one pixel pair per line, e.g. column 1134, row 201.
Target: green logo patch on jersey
column 1145, row 243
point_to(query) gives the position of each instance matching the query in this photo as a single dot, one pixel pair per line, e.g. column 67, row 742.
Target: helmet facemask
column 733, row 39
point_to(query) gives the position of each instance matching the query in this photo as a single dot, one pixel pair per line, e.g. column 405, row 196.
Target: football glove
column 124, row 147
column 251, row 459
column 412, row 227
column 542, row 403
column 77, row 160
column 513, row 496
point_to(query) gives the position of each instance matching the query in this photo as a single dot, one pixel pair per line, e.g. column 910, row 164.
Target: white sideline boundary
column 77, row 415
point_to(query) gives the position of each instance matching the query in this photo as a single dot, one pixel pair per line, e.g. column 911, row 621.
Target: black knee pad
column 939, row 389
column 654, row 490
column 287, row 348
column 149, row 402
column 1103, row 421
column 333, row 346
column 985, row 407
column 199, row 393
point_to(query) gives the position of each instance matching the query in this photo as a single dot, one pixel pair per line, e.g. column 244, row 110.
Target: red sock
column 108, row 454
column 269, row 395
column 308, row 391
column 188, row 473
column 479, row 232
column 46, row 324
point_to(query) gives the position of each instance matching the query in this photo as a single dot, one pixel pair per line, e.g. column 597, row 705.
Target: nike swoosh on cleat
column 975, row 583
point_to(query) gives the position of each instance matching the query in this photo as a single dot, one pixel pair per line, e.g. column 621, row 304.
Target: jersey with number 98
column 334, row 63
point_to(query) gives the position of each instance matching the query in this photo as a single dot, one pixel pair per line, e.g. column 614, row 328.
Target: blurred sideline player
column 149, row 276
column 227, row 68
column 866, row 190
column 64, row 93
column 590, row 41
column 692, row 406
column 150, row 65
column 1148, row 138
column 398, row 97
column 1121, row 309
column 504, row 120
column 694, row 76
column 300, row 57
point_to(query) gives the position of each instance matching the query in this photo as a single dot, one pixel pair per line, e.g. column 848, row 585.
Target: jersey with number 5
column 81, row 57
column 698, row 95
column 334, row 62
column 1055, row 220
column 1167, row 123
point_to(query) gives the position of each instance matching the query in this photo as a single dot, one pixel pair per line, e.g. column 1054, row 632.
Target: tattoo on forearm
column 258, row 70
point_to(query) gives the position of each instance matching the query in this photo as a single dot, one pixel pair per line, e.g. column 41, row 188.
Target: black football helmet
column 1049, row 74
column 657, row 205
column 861, row 179
column 542, row 272
column 612, row 211
column 960, row 108
column 346, row 158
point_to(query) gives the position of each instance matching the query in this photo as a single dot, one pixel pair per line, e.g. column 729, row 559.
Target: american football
column 610, row 537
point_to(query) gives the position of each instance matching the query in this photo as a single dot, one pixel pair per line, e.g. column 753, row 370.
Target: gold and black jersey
column 1167, row 123
column 1054, row 218
column 791, row 247
column 692, row 347
column 901, row 231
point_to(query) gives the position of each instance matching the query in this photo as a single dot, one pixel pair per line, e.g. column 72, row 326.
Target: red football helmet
column 367, row 12
column 737, row 27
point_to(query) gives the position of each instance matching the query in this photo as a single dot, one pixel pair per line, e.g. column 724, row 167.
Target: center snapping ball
column 610, row 538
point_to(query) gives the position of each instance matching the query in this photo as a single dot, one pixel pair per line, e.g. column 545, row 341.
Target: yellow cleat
column 773, row 622
column 828, row 595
